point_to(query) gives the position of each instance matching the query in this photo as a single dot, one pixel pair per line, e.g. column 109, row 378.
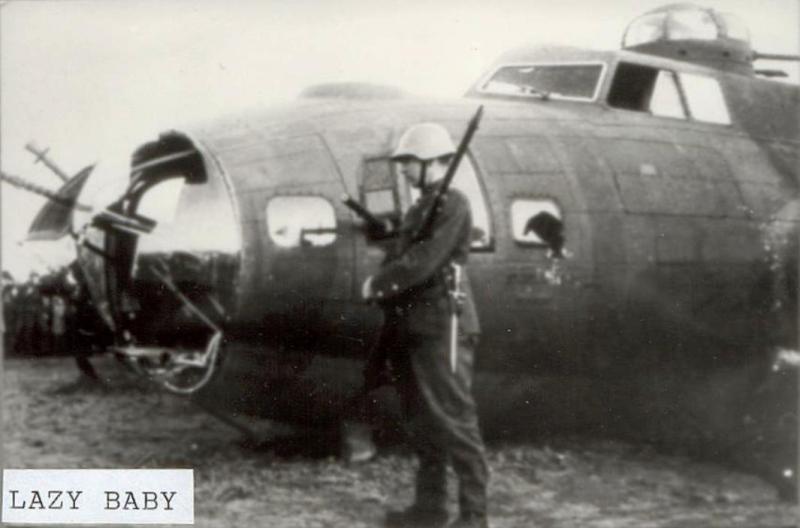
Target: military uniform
column 441, row 415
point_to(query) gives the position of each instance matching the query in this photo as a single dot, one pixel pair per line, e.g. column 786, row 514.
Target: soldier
column 28, row 323
column 412, row 288
column 9, row 311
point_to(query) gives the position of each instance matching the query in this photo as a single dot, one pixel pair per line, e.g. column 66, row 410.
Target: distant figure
column 10, row 311
column 413, row 288
column 44, row 310
column 58, row 315
column 29, row 303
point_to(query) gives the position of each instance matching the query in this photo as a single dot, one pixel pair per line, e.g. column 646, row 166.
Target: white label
column 98, row 496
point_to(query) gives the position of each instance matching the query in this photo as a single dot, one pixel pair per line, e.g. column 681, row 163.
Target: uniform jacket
column 412, row 279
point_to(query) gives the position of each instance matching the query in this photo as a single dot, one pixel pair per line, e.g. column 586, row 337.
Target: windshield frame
column 481, row 86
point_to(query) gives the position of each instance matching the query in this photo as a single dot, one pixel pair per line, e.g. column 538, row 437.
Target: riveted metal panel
column 230, row 135
column 749, row 162
column 764, row 108
column 665, row 195
column 254, row 177
column 494, row 155
column 378, row 175
column 652, row 157
column 677, row 240
column 350, row 146
column 281, row 128
column 274, row 148
column 665, row 178
column 594, row 186
column 281, row 163
column 786, row 157
column 533, row 154
column 579, row 242
column 639, row 239
column 609, row 238
column 708, row 163
column 543, row 185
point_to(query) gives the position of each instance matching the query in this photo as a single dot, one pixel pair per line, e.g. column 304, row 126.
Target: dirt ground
column 50, row 421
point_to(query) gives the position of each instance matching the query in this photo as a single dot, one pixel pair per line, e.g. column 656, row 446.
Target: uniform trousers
column 439, row 408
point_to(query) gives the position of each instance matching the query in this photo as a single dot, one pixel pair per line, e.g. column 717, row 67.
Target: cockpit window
column 705, row 98
column 676, row 23
column 574, row 81
column 684, row 22
column 645, row 89
column 666, row 98
column 663, row 93
column 695, row 24
column 648, row 28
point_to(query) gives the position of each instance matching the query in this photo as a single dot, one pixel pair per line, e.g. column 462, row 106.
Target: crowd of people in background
column 39, row 314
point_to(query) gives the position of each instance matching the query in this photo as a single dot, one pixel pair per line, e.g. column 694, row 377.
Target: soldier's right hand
column 366, row 289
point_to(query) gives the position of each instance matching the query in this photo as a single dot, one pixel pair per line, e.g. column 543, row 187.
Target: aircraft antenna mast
column 41, row 155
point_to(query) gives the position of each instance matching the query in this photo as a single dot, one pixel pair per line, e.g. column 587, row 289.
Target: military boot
column 416, row 517
column 355, row 442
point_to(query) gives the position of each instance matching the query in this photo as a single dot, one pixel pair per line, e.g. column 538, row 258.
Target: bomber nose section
column 177, row 283
column 163, row 261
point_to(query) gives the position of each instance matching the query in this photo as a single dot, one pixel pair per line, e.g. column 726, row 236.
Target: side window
column 646, row 89
column 666, row 98
column 705, row 99
column 301, row 221
column 632, row 86
column 466, row 181
column 536, row 221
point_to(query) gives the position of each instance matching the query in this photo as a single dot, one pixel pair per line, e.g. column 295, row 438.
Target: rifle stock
column 372, row 221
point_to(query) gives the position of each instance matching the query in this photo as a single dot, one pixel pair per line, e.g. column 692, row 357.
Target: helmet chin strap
column 423, row 175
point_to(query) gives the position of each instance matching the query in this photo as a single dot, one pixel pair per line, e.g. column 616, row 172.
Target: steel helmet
column 425, row 141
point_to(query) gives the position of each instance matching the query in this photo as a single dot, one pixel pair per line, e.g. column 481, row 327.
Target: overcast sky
column 93, row 79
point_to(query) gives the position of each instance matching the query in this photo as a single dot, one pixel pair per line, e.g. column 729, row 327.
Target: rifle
column 428, row 219
column 452, row 168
